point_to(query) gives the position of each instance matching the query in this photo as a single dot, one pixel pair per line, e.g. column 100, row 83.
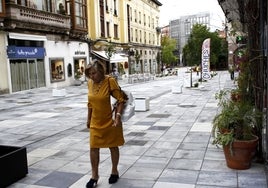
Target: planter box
column 58, row 92
column 142, row 104
column 13, row 164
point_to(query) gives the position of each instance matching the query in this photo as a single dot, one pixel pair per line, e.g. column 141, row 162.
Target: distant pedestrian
column 115, row 74
column 105, row 132
column 231, row 70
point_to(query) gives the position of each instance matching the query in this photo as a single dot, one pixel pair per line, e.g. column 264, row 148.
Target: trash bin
column 142, row 104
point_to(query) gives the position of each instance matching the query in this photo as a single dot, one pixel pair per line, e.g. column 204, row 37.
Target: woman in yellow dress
column 105, row 131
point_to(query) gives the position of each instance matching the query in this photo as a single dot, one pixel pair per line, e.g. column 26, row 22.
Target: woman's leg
column 95, row 158
column 115, row 159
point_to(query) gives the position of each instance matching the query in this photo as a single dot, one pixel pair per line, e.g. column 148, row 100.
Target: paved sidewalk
column 167, row 146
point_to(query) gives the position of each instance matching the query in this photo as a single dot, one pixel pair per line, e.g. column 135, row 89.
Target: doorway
column 27, row 74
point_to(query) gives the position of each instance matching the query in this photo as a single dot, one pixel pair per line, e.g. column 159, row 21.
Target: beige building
column 128, row 27
column 49, row 43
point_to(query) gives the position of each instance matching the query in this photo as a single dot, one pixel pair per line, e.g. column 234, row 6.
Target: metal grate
column 158, row 116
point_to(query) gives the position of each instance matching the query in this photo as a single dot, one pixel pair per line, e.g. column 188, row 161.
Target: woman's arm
column 89, row 112
column 119, row 110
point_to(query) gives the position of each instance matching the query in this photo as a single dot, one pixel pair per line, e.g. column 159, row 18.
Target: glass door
column 36, row 73
column 19, row 74
column 27, row 74
column 32, row 73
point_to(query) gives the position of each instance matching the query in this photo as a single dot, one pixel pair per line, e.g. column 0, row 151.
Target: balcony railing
column 24, row 17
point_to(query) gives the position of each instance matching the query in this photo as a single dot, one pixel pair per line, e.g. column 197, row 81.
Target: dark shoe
column 92, row 183
column 113, row 178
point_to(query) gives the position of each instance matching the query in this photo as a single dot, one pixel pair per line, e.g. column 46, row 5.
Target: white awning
column 21, row 36
column 116, row 58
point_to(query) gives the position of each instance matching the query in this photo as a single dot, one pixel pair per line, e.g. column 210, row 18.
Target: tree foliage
column 168, row 46
column 192, row 51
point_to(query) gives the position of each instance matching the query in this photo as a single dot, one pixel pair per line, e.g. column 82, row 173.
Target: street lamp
column 130, row 53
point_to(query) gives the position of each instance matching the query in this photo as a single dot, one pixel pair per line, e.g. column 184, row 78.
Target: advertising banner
column 206, row 59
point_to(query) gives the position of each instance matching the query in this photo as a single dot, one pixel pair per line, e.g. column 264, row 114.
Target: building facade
column 42, row 43
column 130, row 27
column 180, row 29
column 49, row 43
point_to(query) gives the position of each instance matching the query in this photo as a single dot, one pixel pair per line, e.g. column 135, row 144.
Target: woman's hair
column 97, row 65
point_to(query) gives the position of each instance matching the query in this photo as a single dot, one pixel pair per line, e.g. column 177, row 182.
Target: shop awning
column 116, row 58
column 21, row 36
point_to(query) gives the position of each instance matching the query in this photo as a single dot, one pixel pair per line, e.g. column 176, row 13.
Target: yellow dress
column 102, row 133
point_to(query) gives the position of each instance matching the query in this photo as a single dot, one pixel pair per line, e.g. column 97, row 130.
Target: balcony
column 21, row 17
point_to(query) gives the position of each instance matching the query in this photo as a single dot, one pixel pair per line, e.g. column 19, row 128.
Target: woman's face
column 95, row 75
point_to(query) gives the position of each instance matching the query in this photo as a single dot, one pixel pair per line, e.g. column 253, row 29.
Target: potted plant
column 77, row 76
column 239, row 121
column 234, row 128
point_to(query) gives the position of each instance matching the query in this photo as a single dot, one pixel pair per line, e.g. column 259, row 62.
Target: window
column 136, row 35
column 135, row 15
column 79, row 67
column 144, row 37
column 140, row 36
column 102, row 23
column 130, row 13
column 144, row 19
column 106, row 5
column 60, row 7
column 80, row 13
column 108, row 29
column 57, row 69
column 115, row 8
column 131, row 34
column 47, row 5
column 115, row 31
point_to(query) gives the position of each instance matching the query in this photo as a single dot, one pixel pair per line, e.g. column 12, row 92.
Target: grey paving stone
column 59, row 179
column 179, row 176
column 185, row 164
column 216, row 178
column 247, row 180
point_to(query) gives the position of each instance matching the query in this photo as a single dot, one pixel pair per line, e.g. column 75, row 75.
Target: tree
column 168, row 46
column 192, row 50
column 109, row 52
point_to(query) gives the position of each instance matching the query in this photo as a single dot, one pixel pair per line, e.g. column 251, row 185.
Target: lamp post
column 109, row 52
column 130, row 53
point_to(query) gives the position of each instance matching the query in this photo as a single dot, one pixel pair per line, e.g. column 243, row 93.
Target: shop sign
column 78, row 52
column 25, row 52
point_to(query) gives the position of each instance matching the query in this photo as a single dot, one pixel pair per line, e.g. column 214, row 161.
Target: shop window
column 57, row 70
column 79, row 68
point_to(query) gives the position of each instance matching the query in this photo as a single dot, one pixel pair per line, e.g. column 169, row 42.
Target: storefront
column 66, row 62
column 26, row 67
column 35, row 61
column 26, row 55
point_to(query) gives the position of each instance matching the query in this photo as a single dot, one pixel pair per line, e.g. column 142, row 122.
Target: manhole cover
column 158, row 116
column 187, row 105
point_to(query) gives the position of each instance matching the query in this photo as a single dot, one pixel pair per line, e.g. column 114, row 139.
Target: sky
column 174, row 9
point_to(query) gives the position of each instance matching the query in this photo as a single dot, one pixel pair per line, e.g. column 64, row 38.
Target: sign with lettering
column 79, row 52
column 206, row 59
column 25, row 52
